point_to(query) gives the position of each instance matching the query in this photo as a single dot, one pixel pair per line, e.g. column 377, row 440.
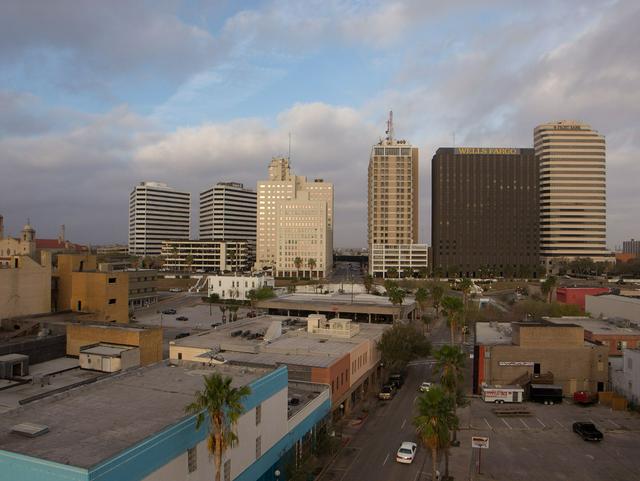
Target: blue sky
column 97, row 96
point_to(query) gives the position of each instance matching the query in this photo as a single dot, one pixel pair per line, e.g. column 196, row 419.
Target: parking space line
column 615, row 424
column 543, row 424
column 525, row 424
column 403, row 423
column 559, row 423
column 490, row 427
column 506, row 423
column 592, row 420
column 385, row 459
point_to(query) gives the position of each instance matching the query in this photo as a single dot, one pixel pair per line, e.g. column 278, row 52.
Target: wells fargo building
column 485, row 212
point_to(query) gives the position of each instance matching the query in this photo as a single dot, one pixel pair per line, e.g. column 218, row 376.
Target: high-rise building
column 295, row 220
column 157, row 213
column 393, row 205
column 485, row 212
column 573, row 208
column 228, row 213
column 631, row 247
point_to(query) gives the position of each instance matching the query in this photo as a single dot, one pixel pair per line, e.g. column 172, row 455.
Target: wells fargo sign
column 488, row 151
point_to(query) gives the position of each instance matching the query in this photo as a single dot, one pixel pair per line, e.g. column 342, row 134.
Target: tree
column 368, row 283
column 233, row 307
column 260, row 294
column 395, row 294
column 453, row 309
column 223, row 309
column 437, row 292
column 547, row 287
column 423, row 273
column 298, row 263
column 291, row 288
column 401, row 344
column 407, row 272
column 435, row 419
column 422, row 295
column 426, row 321
column 311, row 263
column 211, row 299
column 450, row 363
column 189, row 261
column 392, row 273
column 220, row 405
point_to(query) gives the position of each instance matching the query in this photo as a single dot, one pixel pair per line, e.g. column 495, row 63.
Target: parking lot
column 543, row 446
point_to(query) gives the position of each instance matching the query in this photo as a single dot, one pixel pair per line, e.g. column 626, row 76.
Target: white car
column 425, row 386
column 175, row 289
column 407, row 452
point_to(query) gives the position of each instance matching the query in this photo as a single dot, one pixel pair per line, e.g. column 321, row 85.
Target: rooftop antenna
column 389, row 131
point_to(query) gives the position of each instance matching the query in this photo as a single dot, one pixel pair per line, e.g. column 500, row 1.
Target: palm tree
column 453, row 309
column 189, row 261
column 422, row 295
column 223, row 309
column 368, row 283
column 437, row 292
column 434, row 421
column 396, row 295
column 392, row 273
column 547, row 287
column 221, row 406
column 426, row 321
column 311, row 263
column 450, row 362
column 298, row 263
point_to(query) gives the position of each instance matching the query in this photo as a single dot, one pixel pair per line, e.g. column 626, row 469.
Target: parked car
column 424, row 387
column 175, row 289
column 169, row 311
column 180, row 335
column 182, row 318
column 386, row 393
column 406, row 453
column 396, row 380
column 585, row 397
column 587, row 431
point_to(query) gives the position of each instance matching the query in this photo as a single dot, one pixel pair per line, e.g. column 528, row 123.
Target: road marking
column 415, row 399
column 559, row 423
column 616, row 425
column 543, row 425
column 592, row 420
column 386, row 459
column 403, row 423
column 418, row 474
column 490, row 427
column 506, row 423
column 525, row 424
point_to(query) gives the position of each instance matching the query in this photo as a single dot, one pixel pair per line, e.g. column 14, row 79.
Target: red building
column 576, row 295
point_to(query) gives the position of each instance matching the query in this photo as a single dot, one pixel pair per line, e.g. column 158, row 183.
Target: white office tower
column 228, row 212
column 573, row 207
column 295, row 220
column 157, row 213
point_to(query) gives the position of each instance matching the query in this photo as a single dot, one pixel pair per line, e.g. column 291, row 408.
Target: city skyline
column 186, row 112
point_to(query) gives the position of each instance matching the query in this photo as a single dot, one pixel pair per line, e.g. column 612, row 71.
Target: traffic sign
column 481, row 442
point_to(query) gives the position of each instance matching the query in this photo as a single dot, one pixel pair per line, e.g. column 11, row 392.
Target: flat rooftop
column 623, row 299
column 599, row 326
column 104, row 349
column 341, row 299
column 493, row 333
column 90, row 424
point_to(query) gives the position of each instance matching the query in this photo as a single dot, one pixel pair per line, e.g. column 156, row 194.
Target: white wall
column 272, row 428
column 627, row 381
column 226, row 286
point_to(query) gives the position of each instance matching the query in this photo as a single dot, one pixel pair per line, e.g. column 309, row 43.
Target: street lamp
column 277, row 473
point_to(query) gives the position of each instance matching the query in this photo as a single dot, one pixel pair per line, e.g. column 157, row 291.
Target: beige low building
column 147, row 339
column 523, row 352
column 80, row 286
column 25, row 286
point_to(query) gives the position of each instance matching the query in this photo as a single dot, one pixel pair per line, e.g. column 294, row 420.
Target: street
column 371, row 453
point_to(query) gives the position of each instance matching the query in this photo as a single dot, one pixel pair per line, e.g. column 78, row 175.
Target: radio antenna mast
column 389, row 131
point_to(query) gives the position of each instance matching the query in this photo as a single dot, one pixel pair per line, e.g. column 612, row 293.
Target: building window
column 112, row 280
column 258, row 447
column 227, row 470
column 192, row 459
column 258, row 414
column 179, row 356
column 620, row 345
column 112, row 301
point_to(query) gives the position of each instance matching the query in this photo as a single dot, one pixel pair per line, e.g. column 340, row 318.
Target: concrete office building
column 295, row 220
column 133, row 427
column 631, row 247
column 405, row 259
column 228, row 212
column 573, row 207
column 157, row 213
column 393, row 198
column 205, row 255
column 485, row 212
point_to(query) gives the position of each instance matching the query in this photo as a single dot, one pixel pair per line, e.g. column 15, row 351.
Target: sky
column 98, row 96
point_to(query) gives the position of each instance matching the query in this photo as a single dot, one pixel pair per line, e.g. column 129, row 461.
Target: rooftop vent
column 30, row 430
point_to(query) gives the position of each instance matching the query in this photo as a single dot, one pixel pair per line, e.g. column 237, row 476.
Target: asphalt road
column 373, row 448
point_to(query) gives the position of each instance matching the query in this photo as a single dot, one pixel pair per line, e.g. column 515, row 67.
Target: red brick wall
column 576, row 295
